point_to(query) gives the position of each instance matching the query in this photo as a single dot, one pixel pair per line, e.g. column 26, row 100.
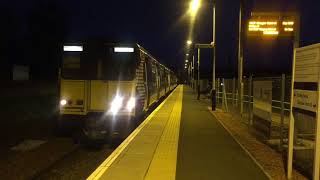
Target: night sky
column 160, row 26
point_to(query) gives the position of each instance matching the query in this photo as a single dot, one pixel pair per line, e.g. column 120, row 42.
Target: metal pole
column 233, row 91
column 198, row 87
column 283, row 86
column 214, row 100
column 221, row 82
column 240, row 61
column 193, row 82
column 250, row 99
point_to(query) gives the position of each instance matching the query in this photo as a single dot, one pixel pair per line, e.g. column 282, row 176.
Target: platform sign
column 306, row 100
column 307, row 65
column 271, row 24
column 305, row 97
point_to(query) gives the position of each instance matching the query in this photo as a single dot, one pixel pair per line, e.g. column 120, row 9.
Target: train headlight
column 63, row 102
column 116, row 104
column 131, row 104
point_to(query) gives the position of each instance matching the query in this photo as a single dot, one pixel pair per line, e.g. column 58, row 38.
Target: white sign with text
column 306, row 100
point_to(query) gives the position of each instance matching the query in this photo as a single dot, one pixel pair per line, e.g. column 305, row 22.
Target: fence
column 273, row 130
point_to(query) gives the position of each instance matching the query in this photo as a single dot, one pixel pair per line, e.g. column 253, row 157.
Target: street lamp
column 194, row 7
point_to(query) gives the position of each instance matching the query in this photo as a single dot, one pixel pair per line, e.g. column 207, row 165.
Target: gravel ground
column 24, row 165
column 269, row 159
column 79, row 165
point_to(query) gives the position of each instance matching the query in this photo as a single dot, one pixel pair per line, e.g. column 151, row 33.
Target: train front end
column 98, row 90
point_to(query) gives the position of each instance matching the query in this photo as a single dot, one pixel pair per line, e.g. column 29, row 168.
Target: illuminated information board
column 271, row 24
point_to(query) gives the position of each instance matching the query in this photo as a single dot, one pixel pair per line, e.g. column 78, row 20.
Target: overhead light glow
column 73, row 48
column 189, row 42
column 194, row 7
column 124, row 49
column 187, row 60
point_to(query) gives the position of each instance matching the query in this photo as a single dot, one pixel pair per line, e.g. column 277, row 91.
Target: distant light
column 189, row 42
column 187, row 54
column 187, row 60
column 270, row 32
column 73, row 48
column 124, row 49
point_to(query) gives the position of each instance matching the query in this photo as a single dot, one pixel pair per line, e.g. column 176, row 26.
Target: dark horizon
column 37, row 28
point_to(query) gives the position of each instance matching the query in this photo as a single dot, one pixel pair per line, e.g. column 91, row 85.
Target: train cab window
column 99, row 63
column 71, row 65
column 120, row 65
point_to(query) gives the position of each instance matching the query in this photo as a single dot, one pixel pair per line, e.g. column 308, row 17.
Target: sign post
column 305, row 98
column 200, row 46
column 275, row 24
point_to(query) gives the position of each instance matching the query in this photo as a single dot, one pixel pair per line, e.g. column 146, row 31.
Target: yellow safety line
column 107, row 163
column 164, row 162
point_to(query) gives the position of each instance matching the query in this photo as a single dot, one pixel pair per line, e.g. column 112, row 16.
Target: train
column 105, row 88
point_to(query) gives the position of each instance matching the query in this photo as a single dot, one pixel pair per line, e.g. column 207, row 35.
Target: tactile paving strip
column 163, row 165
column 153, row 143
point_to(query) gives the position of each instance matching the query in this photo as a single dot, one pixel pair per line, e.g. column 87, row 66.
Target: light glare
column 131, row 104
column 116, row 104
column 73, row 48
column 63, row 102
column 123, row 49
column 194, row 7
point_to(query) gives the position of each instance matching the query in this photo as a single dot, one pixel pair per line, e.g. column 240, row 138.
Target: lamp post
column 240, row 61
column 194, row 6
column 198, row 81
column 213, row 94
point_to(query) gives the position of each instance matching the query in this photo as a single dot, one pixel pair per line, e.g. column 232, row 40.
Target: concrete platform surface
column 181, row 139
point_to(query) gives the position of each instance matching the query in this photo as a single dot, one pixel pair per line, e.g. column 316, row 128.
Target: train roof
column 135, row 45
column 146, row 52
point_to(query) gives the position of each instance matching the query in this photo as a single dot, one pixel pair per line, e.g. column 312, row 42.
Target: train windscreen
column 107, row 63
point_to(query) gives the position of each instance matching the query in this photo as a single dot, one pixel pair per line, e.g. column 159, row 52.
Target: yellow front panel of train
column 73, row 96
column 98, row 96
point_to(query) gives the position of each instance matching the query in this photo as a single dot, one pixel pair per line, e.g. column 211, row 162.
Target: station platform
column 179, row 140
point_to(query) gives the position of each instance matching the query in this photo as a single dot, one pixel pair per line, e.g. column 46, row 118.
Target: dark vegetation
column 28, row 110
column 34, row 39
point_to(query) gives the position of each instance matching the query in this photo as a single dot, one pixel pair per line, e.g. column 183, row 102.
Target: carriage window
column 71, row 65
column 120, row 65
